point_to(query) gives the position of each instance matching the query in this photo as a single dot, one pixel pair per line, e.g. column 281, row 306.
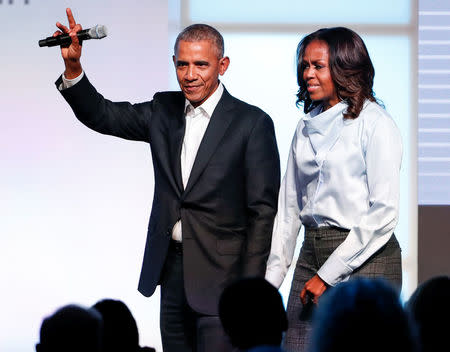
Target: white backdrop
column 74, row 204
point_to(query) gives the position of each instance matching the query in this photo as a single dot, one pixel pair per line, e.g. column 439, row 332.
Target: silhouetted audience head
column 429, row 308
column 252, row 313
column 361, row 315
column 71, row 329
column 120, row 332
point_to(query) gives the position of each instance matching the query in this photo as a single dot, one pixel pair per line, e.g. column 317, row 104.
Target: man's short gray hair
column 198, row 32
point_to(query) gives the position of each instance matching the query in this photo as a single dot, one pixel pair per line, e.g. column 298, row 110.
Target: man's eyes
column 198, row 64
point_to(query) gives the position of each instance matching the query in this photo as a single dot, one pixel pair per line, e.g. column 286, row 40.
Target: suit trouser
column 183, row 329
column 317, row 247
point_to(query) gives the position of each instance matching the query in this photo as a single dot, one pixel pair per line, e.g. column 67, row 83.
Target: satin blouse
column 340, row 172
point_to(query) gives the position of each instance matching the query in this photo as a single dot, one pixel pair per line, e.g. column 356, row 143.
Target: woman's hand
column 314, row 288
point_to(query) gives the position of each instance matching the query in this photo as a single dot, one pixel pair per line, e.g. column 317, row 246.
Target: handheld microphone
column 97, row 32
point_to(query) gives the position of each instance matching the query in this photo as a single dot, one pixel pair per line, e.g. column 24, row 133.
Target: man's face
column 198, row 68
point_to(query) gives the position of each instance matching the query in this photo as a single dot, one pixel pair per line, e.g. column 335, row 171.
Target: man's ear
column 223, row 64
column 174, row 59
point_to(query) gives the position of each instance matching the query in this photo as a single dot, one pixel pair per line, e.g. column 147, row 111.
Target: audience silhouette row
column 358, row 315
column 108, row 326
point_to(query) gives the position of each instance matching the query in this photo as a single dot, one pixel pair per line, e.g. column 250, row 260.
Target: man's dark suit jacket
column 229, row 204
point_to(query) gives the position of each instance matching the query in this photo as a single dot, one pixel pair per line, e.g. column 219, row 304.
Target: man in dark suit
column 216, row 169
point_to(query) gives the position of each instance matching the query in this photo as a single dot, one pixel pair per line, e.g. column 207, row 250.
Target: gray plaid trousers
column 317, row 246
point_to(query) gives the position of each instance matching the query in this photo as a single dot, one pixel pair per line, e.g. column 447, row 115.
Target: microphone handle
column 64, row 39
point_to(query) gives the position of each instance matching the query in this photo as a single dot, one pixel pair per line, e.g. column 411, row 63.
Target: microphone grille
column 98, row 32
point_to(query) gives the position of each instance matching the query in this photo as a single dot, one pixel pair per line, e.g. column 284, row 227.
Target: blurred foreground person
column 120, row 331
column 71, row 329
column 429, row 308
column 361, row 315
column 253, row 315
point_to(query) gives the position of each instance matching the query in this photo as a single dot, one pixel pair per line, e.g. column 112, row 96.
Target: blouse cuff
column 334, row 271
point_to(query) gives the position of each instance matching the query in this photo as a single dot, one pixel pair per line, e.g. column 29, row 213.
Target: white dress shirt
column 67, row 83
column 197, row 120
column 340, row 172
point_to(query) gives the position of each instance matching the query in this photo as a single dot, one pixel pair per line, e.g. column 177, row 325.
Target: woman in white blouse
column 341, row 182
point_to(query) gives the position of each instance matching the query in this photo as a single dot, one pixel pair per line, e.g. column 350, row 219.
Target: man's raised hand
column 72, row 53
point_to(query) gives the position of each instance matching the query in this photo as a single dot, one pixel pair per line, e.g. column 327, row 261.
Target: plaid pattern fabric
column 317, row 246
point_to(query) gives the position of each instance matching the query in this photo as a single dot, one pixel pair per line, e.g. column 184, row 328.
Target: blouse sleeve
column 287, row 223
column 383, row 156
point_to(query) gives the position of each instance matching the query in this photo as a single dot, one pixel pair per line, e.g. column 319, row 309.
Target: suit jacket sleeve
column 262, row 185
column 125, row 120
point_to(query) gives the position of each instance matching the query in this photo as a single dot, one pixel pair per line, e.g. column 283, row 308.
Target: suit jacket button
column 169, row 233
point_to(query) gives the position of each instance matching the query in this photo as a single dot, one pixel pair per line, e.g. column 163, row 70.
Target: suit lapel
column 220, row 120
column 176, row 134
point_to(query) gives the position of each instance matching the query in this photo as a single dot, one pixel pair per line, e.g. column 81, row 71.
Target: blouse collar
column 324, row 128
column 318, row 121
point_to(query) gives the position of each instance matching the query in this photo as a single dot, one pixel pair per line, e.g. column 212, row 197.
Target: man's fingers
column 72, row 22
column 57, row 33
column 74, row 37
column 74, row 27
column 73, row 34
column 77, row 28
column 62, row 27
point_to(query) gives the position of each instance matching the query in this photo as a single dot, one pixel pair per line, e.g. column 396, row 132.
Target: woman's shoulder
column 373, row 114
column 378, row 125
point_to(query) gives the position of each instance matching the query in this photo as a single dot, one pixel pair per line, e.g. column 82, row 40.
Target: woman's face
column 317, row 75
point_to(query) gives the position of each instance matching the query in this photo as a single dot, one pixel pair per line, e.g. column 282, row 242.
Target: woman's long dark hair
column 350, row 66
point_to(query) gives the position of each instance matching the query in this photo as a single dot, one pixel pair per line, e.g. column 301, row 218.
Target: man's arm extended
column 125, row 120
